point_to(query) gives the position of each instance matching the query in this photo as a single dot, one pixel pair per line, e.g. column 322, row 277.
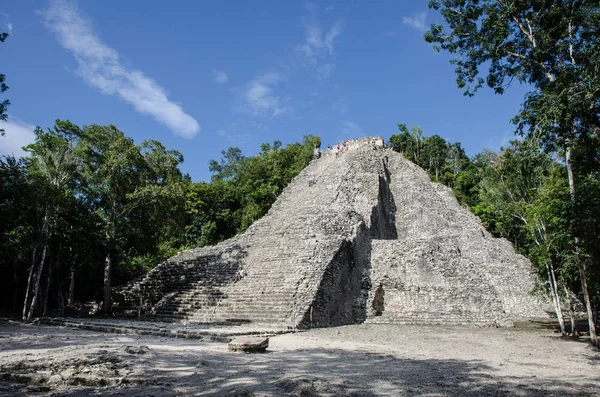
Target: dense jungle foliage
column 90, row 208
column 553, row 48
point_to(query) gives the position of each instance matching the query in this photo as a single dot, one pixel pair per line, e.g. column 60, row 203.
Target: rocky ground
column 361, row 360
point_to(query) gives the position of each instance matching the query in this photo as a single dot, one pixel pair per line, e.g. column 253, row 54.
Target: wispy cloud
column 265, row 95
column 100, row 66
column 352, row 129
column 17, row 134
column 6, row 22
column 220, row 76
column 323, row 72
column 318, row 42
column 417, row 21
column 258, row 97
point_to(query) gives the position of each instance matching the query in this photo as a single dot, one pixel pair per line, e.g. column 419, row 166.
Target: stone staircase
column 284, row 254
column 372, row 240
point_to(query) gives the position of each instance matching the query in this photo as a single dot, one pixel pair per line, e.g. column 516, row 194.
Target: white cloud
column 262, row 95
column 100, row 67
column 5, row 24
column 258, row 96
column 17, row 135
column 220, row 76
column 352, row 129
column 317, row 42
column 417, row 21
column 324, row 71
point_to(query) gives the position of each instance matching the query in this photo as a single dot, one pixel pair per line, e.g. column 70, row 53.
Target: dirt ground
column 359, row 360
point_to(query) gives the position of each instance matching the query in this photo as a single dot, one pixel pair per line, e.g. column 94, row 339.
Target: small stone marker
column 249, row 344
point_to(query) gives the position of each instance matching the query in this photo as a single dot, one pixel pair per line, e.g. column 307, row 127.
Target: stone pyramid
column 372, row 240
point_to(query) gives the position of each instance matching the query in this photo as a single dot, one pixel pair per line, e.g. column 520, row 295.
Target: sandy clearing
column 359, row 360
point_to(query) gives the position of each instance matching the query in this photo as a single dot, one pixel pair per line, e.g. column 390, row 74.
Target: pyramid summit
column 360, row 235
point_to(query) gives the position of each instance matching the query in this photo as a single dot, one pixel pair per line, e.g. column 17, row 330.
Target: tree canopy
column 552, row 46
column 91, row 208
column 3, row 87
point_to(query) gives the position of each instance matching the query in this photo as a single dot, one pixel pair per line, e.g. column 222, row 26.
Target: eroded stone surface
column 249, row 344
column 372, row 240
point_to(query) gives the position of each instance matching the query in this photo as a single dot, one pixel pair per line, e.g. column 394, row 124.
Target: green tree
column 53, row 168
column 434, row 155
column 552, row 46
column 17, row 230
column 130, row 189
column 409, row 143
column 455, row 163
column 3, row 87
column 403, row 143
column 522, row 193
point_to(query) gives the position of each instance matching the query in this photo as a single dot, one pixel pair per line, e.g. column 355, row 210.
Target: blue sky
column 201, row 76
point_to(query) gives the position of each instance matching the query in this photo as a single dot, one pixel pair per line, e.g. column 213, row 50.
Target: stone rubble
column 99, row 368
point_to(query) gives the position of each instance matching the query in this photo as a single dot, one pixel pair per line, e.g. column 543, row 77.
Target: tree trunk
column 38, row 275
column 107, row 303
column 60, row 299
column 26, row 302
column 36, row 284
column 47, row 289
column 15, row 290
column 574, row 333
column 61, row 303
column 588, row 305
column 555, row 298
column 582, row 266
column 71, row 296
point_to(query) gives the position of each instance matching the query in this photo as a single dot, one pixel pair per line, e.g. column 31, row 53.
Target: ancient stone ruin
column 372, row 240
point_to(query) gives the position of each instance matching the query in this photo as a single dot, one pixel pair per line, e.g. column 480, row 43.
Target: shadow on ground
column 339, row 373
column 207, row 369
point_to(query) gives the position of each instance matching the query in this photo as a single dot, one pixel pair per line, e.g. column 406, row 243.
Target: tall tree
column 404, row 143
column 3, row 87
column 53, row 167
column 130, row 188
column 17, row 230
column 553, row 46
column 522, row 192
column 434, row 155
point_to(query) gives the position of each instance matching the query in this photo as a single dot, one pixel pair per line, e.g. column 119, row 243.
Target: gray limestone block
column 249, row 344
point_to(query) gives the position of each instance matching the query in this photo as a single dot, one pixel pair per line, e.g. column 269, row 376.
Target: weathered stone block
column 249, row 344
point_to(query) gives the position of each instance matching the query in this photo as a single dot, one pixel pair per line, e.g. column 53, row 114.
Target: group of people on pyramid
column 345, row 145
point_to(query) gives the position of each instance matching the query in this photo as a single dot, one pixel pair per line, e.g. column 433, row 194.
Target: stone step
column 430, row 318
column 220, row 319
column 242, row 303
column 231, row 297
column 245, row 306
